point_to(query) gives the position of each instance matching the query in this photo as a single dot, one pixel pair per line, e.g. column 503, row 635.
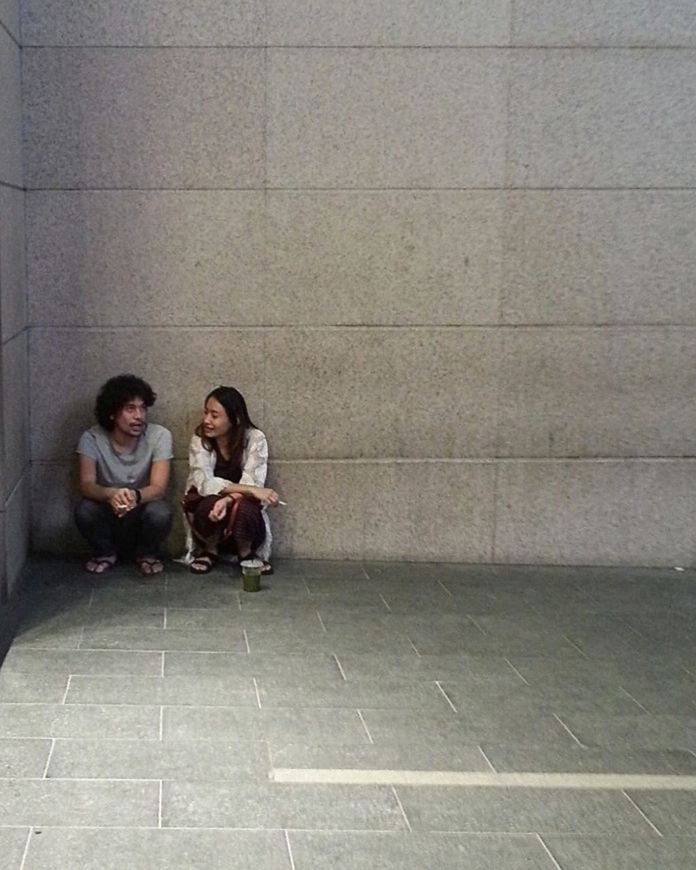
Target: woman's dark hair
column 235, row 408
column 116, row 393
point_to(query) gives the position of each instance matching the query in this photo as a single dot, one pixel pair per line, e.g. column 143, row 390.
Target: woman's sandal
column 202, row 564
column 149, row 566
column 99, row 564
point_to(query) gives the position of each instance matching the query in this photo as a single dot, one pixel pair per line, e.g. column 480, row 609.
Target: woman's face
column 215, row 420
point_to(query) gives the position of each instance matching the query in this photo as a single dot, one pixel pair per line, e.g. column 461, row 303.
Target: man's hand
column 122, row 501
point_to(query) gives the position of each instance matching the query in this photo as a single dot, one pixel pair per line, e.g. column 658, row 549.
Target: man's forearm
column 96, row 492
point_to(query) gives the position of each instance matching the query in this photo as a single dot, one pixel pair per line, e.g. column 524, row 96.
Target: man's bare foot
column 100, row 564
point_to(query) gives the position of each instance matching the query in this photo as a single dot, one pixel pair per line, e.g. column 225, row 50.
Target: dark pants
column 140, row 532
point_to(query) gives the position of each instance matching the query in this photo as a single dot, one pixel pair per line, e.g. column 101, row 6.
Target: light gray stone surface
column 613, row 22
column 13, row 314
column 15, row 405
column 345, row 508
column 391, row 22
column 182, row 365
column 137, row 22
column 389, row 257
column 602, row 118
column 98, row 117
column 153, row 849
column 401, row 118
column 596, row 513
column 354, row 393
column 10, row 111
column 9, row 16
column 146, row 258
column 12, row 845
column 599, row 257
column 597, row 392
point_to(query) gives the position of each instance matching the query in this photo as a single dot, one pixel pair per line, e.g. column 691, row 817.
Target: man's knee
column 157, row 515
column 88, row 512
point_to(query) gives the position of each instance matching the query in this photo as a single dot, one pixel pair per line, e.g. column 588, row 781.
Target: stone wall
column 445, row 249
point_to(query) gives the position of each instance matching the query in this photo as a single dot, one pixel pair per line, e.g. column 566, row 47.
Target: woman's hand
column 266, row 496
column 219, row 509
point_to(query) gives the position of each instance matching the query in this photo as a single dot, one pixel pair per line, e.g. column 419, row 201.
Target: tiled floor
column 185, row 724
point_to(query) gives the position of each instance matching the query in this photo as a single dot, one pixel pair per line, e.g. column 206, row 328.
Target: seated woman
column 225, row 502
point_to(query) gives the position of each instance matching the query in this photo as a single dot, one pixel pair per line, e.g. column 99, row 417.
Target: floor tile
column 236, row 664
column 32, row 688
column 12, row 844
column 672, row 812
column 520, row 810
column 246, row 761
column 393, row 756
column 642, row 731
column 223, row 805
column 23, row 758
column 571, row 758
column 476, row 669
column 93, row 662
column 184, row 690
column 315, row 850
column 622, row 852
column 72, row 804
column 195, row 640
column 230, row 723
column 353, row 694
column 56, row 720
column 117, row 849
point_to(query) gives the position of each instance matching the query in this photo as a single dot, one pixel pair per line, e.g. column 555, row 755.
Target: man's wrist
column 138, row 493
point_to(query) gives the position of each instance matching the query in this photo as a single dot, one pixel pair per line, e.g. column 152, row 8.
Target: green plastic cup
column 251, row 574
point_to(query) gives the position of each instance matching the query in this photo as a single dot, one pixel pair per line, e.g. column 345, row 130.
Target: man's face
column 130, row 418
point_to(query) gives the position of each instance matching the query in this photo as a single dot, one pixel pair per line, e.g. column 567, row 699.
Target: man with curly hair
column 124, row 471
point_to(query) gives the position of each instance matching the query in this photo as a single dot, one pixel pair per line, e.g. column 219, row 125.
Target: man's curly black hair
column 116, row 393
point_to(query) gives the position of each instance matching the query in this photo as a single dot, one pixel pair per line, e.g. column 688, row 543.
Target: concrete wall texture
column 14, row 332
column 445, row 249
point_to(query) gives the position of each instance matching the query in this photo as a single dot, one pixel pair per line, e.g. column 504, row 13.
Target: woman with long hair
column 226, row 497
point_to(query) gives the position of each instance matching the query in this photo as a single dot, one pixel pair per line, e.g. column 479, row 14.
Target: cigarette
column 284, row 503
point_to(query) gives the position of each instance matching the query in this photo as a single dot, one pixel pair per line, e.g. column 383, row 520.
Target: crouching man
column 124, row 472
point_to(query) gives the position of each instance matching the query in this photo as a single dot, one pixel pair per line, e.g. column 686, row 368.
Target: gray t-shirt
column 126, row 469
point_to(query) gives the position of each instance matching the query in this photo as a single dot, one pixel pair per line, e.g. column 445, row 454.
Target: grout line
column 162, row 664
column 161, row 723
column 384, row 601
column 26, row 849
column 289, row 848
column 340, row 667
column 507, row 661
column 635, row 700
column 306, row 586
column 487, row 759
column 364, row 570
column 364, row 724
column 246, row 641
column 50, row 755
column 164, row 624
column 558, row 719
column 403, row 811
column 159, row 813
column 321, row 621
column 415, row 648
column 654, row 827
column 67, row 689
column 473, row 621
column 574, row 645
column 548, row 852
column 446, row 696
column 440, row 583
column 82, row 637
column 256, row 689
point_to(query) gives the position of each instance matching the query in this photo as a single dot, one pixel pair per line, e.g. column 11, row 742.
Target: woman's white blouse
column 202, row 476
